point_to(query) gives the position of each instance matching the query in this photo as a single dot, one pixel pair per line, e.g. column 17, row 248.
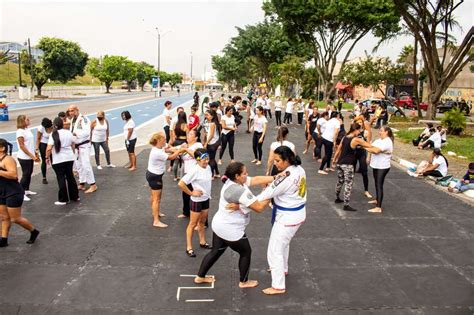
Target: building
column 14, row 49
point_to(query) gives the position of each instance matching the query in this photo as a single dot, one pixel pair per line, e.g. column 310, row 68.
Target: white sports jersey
column 288, row 192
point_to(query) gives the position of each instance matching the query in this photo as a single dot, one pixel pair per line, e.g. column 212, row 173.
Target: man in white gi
column 289, row 213
column 81, row 129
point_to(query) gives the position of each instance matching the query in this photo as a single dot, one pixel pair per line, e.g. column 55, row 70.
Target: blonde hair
column 101, row 113
column 156, row 137
column 21, row 122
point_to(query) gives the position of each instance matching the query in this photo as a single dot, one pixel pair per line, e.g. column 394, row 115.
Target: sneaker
column 45, row 181
column 59, row 203
column 111, row 166
column 99, row 167
column 29, row 192
column 338, row 200
column 322, row 172
column 25, row 198
column 348, row 208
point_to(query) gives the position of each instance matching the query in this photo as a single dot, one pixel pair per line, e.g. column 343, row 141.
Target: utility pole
column 31, row 66
column 158, row 63
column 19, row 68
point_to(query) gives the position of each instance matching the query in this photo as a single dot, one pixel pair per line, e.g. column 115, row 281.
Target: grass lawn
column 461, row 145
column 322, row 104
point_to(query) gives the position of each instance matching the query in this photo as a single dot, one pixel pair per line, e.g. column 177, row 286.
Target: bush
column 455, row 121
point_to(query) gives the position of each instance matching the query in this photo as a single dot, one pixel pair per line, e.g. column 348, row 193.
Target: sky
column 190, row 28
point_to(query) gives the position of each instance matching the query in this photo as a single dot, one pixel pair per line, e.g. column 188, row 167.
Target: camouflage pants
column 345, row 175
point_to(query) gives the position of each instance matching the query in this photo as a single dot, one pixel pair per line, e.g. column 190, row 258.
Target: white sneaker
column 29, row 192
column 99, row 167
column 25, row 198
column 322, row 172
column 59, row 203
column 111, row 166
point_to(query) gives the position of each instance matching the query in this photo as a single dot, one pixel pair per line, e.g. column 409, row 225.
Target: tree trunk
column 38, row 87
column 415, row 79
column 107, row 87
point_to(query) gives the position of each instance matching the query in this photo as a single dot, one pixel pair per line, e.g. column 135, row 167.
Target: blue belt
column 277, row 207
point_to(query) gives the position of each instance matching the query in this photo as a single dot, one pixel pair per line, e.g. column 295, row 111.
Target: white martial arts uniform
column 289, row 212
column 81, row 129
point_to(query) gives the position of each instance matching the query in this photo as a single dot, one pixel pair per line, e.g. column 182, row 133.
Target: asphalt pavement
column 102, row 255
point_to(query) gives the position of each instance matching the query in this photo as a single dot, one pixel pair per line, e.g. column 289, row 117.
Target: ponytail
column 282, row 133
column 58, row 125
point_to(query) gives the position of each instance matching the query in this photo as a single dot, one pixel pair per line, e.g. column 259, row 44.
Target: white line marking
column 193, row 301
column 114, row 118
column 178, row 293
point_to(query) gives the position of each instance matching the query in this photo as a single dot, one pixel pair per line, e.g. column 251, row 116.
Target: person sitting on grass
column 438, row 165
column 442, row 132
column 433, row 142
column 425, row 134
column 467, row 182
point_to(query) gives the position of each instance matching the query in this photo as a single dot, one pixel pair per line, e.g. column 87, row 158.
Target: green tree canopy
column 144, row 73
column 107, row 69
column 288, row 73
column 37, row 68
column 128, row 72
column 332, row 28
column 174, row 79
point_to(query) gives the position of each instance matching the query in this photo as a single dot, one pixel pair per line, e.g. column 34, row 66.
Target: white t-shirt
column 288, row 192
column 436, row 138
column 44, row 134
column 278, row 106
column 330, row 129
column 230, row 225
column 258, row 123
column 229, row 122
column 166, row 113
column 99, row 134
column 278, row 144
column 207, row 127
column 200, row 178
column 322, row 123
column 29, row 142
column 65, row 154
column 189, row 161
column 289, row 107
column 442, row 166
column 300, row 108
column 267, row 104
column 382, row 160
column 129, row 124
column 157, row 161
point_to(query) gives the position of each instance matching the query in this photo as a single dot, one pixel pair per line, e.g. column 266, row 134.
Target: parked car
column 448, row 105
column 408, row 102
column 372, row 103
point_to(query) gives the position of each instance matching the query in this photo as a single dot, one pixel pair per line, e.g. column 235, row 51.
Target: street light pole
column 158, row 63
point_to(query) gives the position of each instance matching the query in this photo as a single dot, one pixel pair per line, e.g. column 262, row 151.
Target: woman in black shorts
column 156, row 168
column 11, row 197
column 200, row 177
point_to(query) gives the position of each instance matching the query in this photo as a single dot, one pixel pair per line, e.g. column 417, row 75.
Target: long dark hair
column 437, row 151
column 354, row 126
column 282, row 133
column 7, row 145
column 58, row 125
column 215, row 119
column 286, row 154
column 389, row 132
column 181, row 120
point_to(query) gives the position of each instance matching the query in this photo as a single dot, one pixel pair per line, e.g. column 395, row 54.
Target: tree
column 406, row 58
column 36, row 69
column 431, row 22
column 330, row 27
column 174, row 79
column 373, row 72
column 229, row 70
column 144, row 73
column 164, row 77
column 63, row 60
column 4, row 57
column 310, row 83
column 128, row 72
column 107, row 69
column 288, row 73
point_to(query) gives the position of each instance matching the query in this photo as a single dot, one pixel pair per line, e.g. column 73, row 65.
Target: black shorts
column 199, row 206
column 154, row 181
column 131, row 146
column 13, row 201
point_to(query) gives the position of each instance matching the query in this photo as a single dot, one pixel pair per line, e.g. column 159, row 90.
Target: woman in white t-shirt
column 300, row 110
column 380, row 164
column 211, row 143
column 42, row 137
column 200, row 177
column 329, row 137
column 437, row 165
column 26, row 153
column 278, row 108
column 154, row 174
column 282, row 135
column 259, row 129
column 60, row 153
column 289, row 111
column 100, row 138
column 229, row 226
column 130, row 139
column 167, row 120
column 228, row 133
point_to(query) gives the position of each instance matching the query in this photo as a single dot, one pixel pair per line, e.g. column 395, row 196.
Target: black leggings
column 227, row 138
column 288, row 118
column 167, row 133
column 433, row 173
column 26, row 171
column 66, row 181
column 212, row 150
column 42, row 148
column 379, row 178
column 361, row 157
column 257, row 147
column 187, row 201
column 269, row 112
column 328, row 145
column 219, row 246
column 318, row 144
column 278, row 117
column 300, row 118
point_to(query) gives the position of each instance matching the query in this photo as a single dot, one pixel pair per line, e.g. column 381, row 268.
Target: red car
column 407, row 102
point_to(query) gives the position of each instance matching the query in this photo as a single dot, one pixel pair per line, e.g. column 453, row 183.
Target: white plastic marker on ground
column 178, row 292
